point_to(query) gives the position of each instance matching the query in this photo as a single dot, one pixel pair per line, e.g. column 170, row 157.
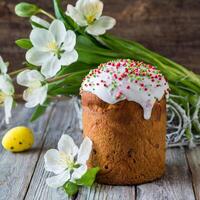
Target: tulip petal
column 35, row 96
column 66, row 144
column 53, row 162
column 57, row 28
column 69, row 41
column 78, row 172
column 3, row 66
column 76, row 15
column 8, row 102
column 51, row 67
column 41, row 38
column 100, row 26
column 59, row 180
column 68, row 58
column 84, row 151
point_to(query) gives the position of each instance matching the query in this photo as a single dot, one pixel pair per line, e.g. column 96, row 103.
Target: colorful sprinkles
column 122, row 79
column 123, row 69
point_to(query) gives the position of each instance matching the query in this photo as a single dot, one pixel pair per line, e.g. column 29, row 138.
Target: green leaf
column 37, row 25
column 85, row 44
column 71, row 188
column 68, row 21
column 24, row 43
column 24, row 9
column 39, row 111
column 89, row 177
column 75, row 67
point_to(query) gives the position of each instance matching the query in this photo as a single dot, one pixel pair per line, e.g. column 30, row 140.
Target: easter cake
column 124, row 114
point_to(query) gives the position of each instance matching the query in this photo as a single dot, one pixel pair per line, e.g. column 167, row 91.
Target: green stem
column 47, row 14
column 17, row 72
column 18, row 96
column 58, row 78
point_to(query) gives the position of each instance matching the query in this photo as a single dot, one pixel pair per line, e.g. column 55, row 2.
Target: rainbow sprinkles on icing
column 127, row 79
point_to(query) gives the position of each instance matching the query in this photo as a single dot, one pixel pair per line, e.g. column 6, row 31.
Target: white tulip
column 40, row 21
column 62, row 161
column 52, row 48
column 88, row 13
column 6, row 90
column 36, row 93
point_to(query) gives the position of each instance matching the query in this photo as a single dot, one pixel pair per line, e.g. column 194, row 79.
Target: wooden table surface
column 22, row 175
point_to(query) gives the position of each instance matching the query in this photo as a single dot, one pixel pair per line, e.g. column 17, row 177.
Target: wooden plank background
column 170, row 27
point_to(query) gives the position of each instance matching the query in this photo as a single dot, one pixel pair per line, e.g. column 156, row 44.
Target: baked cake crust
column 128, row 149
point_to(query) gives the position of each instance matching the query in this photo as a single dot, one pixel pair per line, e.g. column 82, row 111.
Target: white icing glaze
column 126, row 79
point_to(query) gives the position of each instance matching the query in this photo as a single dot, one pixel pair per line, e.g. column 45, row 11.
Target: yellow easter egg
column 18, row 139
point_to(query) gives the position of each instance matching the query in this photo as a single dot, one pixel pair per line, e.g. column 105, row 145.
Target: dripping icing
column 123, row 79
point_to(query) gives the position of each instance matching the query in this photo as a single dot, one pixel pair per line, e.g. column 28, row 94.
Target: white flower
column 52, row 48
column 88, row 13
column 62, row 161
column 6, row 90
column 40, row 21
column 36, row 93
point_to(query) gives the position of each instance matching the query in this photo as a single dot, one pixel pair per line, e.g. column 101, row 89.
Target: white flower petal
column 30, row 78
column 53, row 162
column 51, row 68
column 76, row 15
column 6, row 85
column 69, row 41
column 8, row 102
column 92, row 8
column 100, row 26
column 41, row 39
column 66, row 144
column 78, row 172
column 59, row 180
column 57, row 28
column 39, row 21
column 79, row 4
column 35, row 96
column 3, row 66
column 84, row 151
column 68, row 58
column 36, row 57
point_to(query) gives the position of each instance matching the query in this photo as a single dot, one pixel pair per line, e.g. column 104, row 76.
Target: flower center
column 53, row 47
column 67, row 160
column 90, row 19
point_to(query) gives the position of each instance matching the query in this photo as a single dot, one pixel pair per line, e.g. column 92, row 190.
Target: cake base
column 128, row 149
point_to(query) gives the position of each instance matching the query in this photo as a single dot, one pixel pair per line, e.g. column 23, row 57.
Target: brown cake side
column 128, row 149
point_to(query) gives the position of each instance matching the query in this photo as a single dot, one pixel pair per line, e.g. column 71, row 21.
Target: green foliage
column 39, row 111
column 89, row 177
column 71, row 188
column 24, row 9
column 60, row 14
column 24, row 43
column 86, row 180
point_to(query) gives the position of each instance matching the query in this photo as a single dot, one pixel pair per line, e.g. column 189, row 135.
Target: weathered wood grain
column 63, row 120
column 22, row 176
column 106, row 192
column 169, row 27
column 193, row 157
column 16, row 169
column 176, row 184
